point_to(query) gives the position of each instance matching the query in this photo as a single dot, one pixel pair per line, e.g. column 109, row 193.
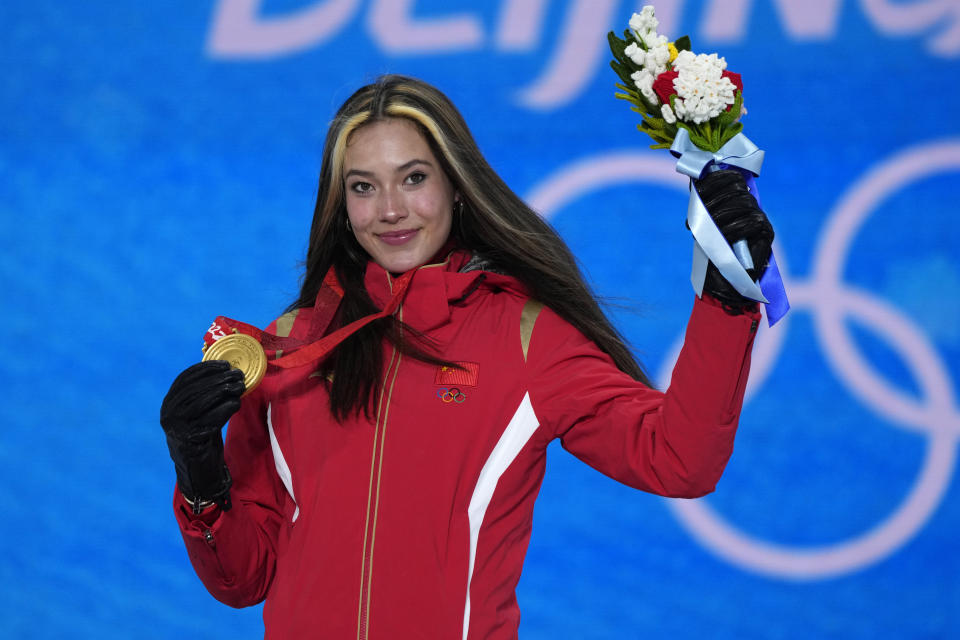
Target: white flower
column 702, row 91
column 644, row 21
column 635, row 53
column 658, row 57
column 651, row 39
column 684, row 57
column 668, row 114
column 644, row 81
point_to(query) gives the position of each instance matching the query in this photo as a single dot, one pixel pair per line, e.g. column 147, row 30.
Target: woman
column 388, row 490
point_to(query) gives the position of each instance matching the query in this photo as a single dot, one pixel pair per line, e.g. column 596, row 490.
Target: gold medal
column 243, row 352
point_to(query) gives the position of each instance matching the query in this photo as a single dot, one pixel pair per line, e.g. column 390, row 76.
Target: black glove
column 198, row 404
column 738, row 217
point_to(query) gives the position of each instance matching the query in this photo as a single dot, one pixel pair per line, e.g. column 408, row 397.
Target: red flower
column 735, row 79
column 663, row 86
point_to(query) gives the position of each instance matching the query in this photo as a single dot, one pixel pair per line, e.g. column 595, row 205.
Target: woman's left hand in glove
column 738, row 217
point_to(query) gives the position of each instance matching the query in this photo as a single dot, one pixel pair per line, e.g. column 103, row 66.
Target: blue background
column 150, row 184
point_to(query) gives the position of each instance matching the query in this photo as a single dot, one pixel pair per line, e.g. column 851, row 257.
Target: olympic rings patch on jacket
column 451, row 394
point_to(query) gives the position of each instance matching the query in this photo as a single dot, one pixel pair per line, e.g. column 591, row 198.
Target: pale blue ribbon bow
column 709, row 244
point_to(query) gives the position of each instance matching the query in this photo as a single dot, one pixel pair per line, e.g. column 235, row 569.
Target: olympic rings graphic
column 453, row 394
column 831, row 303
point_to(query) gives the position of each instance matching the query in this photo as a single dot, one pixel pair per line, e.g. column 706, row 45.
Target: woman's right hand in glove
column 193, row 413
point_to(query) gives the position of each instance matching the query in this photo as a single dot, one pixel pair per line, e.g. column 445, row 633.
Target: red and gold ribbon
column 296, row 352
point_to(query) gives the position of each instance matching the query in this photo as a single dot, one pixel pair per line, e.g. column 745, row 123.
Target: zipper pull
column 208, row 537
column 753, row 326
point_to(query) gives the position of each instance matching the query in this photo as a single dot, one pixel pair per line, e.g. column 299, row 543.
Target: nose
column 392, row 207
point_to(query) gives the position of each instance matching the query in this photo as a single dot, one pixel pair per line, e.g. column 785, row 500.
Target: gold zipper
column 373, row 493
column 376, row 467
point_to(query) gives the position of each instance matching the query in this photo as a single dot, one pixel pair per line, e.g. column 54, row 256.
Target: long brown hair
column 494, row 222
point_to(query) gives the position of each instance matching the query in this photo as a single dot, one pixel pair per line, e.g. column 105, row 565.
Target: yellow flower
column 673, row 51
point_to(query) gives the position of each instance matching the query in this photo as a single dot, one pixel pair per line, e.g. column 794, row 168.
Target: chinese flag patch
column 465, row 377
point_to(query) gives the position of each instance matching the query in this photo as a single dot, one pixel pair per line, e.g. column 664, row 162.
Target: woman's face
column 399, row 199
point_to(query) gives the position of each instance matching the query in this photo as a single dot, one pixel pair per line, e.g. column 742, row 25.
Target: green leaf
column 658, row 129
column 642, row 130
column 641, row 102
column 702, row 138
column 682, row 43
column 654, row 122
column 709, row 133
column 623, row 70
column 653, row 132
column 696, row 136
column 658, row 135
column 616, row 44
column 630, row 36
column 630, row 95
column 730, row 116
column 730, row 132
column 617, row 47
column 620, row 76
column 659, row 139
column 664, row 137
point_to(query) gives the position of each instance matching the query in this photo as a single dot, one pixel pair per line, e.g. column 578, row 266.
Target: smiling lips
column 398, row 237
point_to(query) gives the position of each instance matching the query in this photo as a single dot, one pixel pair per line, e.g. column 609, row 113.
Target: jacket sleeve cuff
column 752, row 310
column 186, row 516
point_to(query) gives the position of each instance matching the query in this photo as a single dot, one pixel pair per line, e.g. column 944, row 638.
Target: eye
column 416, row 177
column 361, row 187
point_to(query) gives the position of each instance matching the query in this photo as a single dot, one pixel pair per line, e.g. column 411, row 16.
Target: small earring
column 458, row 217
column 349, row 228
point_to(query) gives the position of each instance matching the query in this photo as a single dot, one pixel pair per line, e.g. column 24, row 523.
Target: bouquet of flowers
column 673, row 88
column 692, row 105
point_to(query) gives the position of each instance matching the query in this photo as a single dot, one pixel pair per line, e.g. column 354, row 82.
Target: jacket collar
column 433, row 288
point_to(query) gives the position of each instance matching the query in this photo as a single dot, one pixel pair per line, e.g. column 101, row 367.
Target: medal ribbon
column 304, row 352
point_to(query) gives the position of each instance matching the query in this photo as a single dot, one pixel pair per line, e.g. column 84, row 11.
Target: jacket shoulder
column 292, row 324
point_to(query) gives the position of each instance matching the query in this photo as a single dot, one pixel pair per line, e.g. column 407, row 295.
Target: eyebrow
column 400, row 169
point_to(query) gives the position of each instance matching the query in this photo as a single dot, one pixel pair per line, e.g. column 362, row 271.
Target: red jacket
column 416, row 525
